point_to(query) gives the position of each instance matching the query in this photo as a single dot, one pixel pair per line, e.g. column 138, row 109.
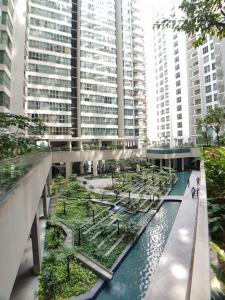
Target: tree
column 216, row 118
column 14, row 130
column 200, row 17
column 204, row 127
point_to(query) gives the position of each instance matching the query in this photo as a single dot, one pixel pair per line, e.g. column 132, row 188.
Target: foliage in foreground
column 219, row 271
column 215, row 175
column 200, row 17
column 13, row 134
column 54, row 282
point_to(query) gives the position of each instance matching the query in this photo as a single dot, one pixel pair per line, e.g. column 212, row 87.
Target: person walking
column 188, row 182
column 197, row 192
column 193, row 192
column 198, row 180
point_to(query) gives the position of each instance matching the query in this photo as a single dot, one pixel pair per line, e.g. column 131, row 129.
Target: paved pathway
column 174, row 264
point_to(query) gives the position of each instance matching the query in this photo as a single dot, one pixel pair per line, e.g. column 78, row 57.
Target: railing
column 12, row 170
column 168, row 150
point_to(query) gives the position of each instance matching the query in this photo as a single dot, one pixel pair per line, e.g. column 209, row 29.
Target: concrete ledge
column 17, row 213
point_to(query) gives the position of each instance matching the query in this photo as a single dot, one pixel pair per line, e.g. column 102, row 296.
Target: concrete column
column 81, row 146
column 68, row 169
column 170, row 163
column 81, row 168
column 100, row 166
column 182, row 162
column 48, row 183
column 100, row 144
column 95, row 168
column 35, row 236
column 45, row 202
column 161, row 163
column 70, row 145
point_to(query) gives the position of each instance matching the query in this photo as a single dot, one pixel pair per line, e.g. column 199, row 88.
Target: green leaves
column 200, row 17
column 13, row 134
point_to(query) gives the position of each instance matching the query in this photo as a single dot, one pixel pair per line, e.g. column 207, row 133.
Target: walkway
column 96, row 267
column 175, row 263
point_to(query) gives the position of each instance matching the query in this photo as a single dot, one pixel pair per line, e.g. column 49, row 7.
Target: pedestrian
column 197, row 192
column 193, row 192
column 188, row 182
column 198, row 180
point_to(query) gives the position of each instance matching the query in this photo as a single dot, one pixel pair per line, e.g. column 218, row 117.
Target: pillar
column 170, row 163
column 100, row 166
column 48, row 183
column 95, row 168
column 161, row 163
column 68, row 169
column 81, row 168
column 138, row 169
column 70, row 145
column 152, row 162
column 182, row 162
column 45, row 202
column 36, row 248
column 100, row 144
column 173, row 163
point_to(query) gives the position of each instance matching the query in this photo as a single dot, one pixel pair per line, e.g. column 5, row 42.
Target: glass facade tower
column 85, row 71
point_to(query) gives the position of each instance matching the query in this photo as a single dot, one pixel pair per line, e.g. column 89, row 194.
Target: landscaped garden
column 102, row 224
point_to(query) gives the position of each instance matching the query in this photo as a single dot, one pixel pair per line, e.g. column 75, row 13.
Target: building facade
column 84, row 71
column 206, row 81
column 171, row 86
column 6, row 44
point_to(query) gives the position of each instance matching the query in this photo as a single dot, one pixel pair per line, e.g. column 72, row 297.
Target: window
column 208, row 89
column 179, row 133
column 206, row 69
column 178, row 91
column 209, row 108
column 206, row 59
column 214, row 76
column 208, row 98
column 207, row 78
column 179, row 116
column 205, row 49
column 215, row 97
column 195, row 72
column 196, row 82
column 195, row 63
column 214, row 86
column 178, row 99
column 197, row 101
column 213, row 66
column 198, row 111
column 197, row 92
column 179, row 108
column 179, row 125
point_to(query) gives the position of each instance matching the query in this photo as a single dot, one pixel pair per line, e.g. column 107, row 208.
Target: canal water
column 133, row 277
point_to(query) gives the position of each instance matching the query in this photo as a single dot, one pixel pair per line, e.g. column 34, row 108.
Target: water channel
column 132, row 278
